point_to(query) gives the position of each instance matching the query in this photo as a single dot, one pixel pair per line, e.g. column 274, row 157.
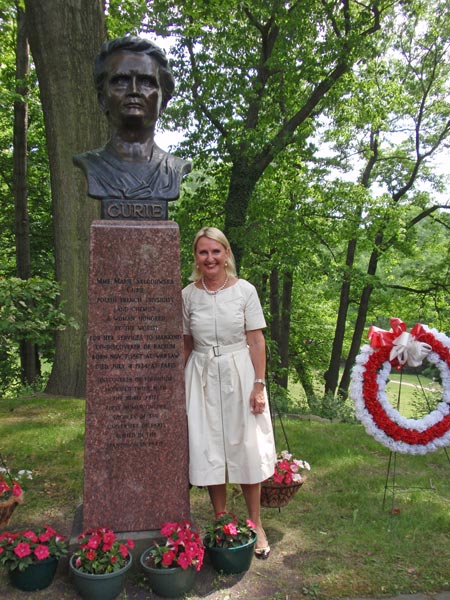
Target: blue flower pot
column 168, row 583
column 232, row 560
column 36, row 576
column 99, row 587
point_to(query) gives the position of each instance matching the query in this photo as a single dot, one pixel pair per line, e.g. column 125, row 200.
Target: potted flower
column 172, row 562
column 31, row 556
column 286, row 480
column 100, row 564
column 229, row 542
column 11, row 493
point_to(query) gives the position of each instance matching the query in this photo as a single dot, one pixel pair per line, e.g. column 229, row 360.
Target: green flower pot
column 232, row 560
column 36, row 576
column 99, row 587
column 168, row 583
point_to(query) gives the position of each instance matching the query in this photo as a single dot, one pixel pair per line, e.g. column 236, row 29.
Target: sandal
column 262, row 553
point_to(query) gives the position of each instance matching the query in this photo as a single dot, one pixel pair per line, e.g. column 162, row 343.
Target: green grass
column 334, row 537
column 414, row 398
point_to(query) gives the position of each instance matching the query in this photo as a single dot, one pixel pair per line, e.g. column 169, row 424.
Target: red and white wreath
column 395, row 348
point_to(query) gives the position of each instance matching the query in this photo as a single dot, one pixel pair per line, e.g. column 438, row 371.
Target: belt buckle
column 216, row 350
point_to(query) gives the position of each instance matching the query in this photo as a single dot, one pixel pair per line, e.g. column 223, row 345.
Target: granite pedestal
column 136, row 444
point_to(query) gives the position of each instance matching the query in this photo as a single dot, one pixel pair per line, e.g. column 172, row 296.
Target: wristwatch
column 263, row 381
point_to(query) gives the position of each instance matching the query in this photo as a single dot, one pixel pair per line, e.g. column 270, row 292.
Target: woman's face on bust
column 210, row 256
column 132, row 90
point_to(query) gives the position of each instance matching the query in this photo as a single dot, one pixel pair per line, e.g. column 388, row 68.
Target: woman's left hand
column 257, row 399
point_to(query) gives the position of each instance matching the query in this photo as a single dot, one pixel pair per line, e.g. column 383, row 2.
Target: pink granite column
column 136, row 448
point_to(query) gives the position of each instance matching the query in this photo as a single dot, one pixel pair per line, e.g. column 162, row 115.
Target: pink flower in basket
column 288, row 469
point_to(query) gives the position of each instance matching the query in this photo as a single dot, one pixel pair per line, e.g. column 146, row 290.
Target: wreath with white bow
column 395, row 348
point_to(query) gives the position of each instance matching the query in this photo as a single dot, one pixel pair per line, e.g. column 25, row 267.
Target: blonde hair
column 214, row 234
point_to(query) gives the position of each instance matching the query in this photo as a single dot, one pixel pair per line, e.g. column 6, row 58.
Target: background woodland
column 319, row 132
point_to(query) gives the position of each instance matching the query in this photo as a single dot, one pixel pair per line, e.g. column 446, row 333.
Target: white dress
column 226, row 441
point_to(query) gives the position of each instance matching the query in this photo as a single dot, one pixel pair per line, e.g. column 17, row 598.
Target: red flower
column 230, row 529
column 183, row 560
column 123, row 550
column 90, row 555
column 168, row 558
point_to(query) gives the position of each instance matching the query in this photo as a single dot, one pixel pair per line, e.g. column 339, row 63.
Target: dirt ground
column 276, row 579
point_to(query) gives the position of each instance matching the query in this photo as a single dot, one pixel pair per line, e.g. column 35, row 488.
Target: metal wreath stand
column 391, row 477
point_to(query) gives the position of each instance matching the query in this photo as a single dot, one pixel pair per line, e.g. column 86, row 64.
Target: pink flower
column 250, row 523
column 200, row 555
column 288, row 478
column 30, row 535
column 168, row 528
column 41, row 552
column 22, row 549
column 130, row 544
column 93, row 542
column 4, row 487
column 184, row 561
column 78, row 562
column 283, row 465
column 45, row 537
column 278, row 477
column 114, row 559
column 17, row 490
column 191, row 549
column 123, row 550
column 109, row 538
column 230, row 529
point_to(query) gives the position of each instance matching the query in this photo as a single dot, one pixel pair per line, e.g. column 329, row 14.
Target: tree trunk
column 361, row 318
column 332, row 375
column 64, row 39
column 242, row 183
column 285, row 328
column 29, row 360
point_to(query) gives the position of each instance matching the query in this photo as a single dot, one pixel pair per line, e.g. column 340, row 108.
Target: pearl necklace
column 214, row 292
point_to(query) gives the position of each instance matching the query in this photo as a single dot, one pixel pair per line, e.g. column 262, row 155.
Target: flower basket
column 7, row 507
column 276, row 495
column 287, row 479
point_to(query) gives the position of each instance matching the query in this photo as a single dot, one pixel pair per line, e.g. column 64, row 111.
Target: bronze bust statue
column 132, row 176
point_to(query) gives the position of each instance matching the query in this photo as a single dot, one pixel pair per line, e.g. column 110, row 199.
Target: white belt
column 219, row 350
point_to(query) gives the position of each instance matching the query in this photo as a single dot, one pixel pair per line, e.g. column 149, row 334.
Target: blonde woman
column 230, row 429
